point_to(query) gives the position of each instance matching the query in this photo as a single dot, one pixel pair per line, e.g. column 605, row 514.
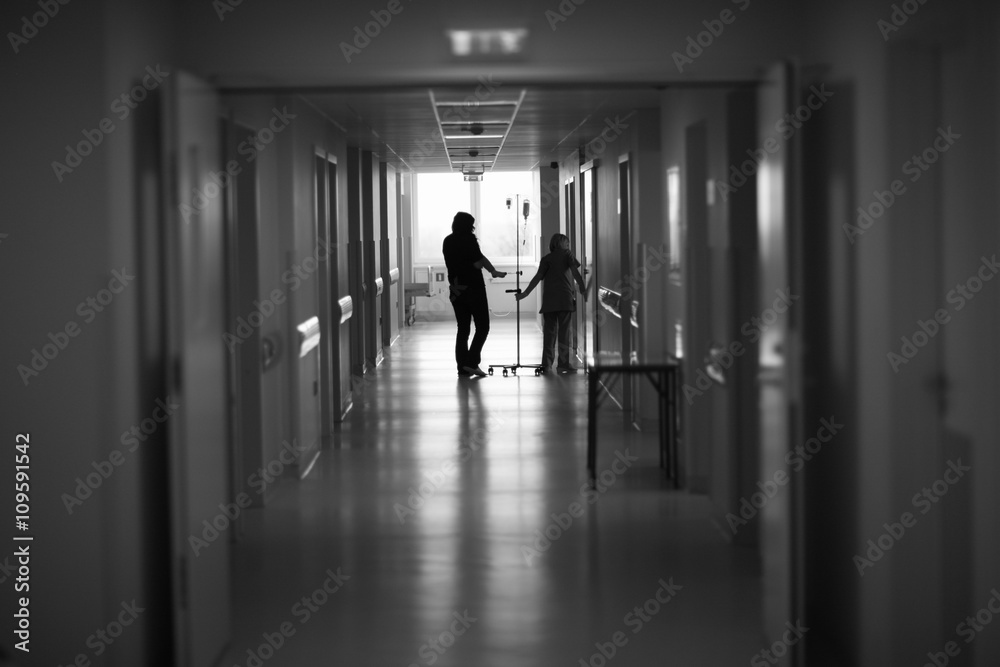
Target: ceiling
column 535, row 125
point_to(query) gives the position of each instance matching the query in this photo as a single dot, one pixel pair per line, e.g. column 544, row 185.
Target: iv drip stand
column 512, row 368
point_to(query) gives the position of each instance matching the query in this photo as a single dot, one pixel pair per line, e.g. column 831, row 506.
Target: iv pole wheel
column 490, row 371
column 505, row 372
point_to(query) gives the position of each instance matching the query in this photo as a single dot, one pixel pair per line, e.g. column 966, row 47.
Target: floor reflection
column 451, row 505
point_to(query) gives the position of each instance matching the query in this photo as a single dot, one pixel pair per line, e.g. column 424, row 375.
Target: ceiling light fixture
column 472, row 104
column 504, row 42
column 470, row 141
column 478, row 122
column 477, row 136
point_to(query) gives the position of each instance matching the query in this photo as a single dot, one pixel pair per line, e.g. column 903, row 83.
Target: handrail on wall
column 309, row 334
column 346, row 307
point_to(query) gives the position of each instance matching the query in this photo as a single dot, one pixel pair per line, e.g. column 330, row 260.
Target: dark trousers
column 471, row 307
column 557, row 327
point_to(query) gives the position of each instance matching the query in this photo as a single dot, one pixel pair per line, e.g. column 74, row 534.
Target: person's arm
column 484, row 263
column 574, row 267
column 579, row 281
column 531, row 285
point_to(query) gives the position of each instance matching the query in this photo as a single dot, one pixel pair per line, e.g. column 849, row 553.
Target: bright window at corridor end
column 498, row 228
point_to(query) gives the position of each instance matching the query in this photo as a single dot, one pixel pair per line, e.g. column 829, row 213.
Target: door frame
column 779, row 201
column 588, row 256
column 629, row 333
column 196, row 367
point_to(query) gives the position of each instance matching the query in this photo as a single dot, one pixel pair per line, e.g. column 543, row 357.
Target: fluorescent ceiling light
column 473, row 136
column 468, row 104
column 496, row 42
column 478, row 122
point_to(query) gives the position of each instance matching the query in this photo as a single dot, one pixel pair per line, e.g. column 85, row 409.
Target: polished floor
column 449, row 523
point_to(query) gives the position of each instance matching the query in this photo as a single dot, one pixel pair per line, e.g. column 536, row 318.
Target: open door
column 779, row 357
column 195, row 264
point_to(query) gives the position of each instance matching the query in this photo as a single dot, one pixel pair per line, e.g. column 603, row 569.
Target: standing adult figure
column 558, row 270
column 467, row 291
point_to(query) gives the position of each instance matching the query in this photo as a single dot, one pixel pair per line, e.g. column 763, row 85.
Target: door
column 243, row 345
column 389, row 266
column 573, row 232
column 936, row 263
column 371, row 232
column 339, row 282
column 196, row 375
column 778, row 357
column 700, row 416
column 588, row 226
column 335, row 351
column 355, row 264
column 329, row 316
column 629, row 296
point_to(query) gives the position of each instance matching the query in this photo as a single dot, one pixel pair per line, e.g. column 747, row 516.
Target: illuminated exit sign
column 505, row 43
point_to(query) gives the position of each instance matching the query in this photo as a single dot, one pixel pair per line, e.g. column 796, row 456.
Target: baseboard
column 345, row 408
column 307, row 463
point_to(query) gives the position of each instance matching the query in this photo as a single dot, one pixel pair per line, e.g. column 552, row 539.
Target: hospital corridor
column 543, row 332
